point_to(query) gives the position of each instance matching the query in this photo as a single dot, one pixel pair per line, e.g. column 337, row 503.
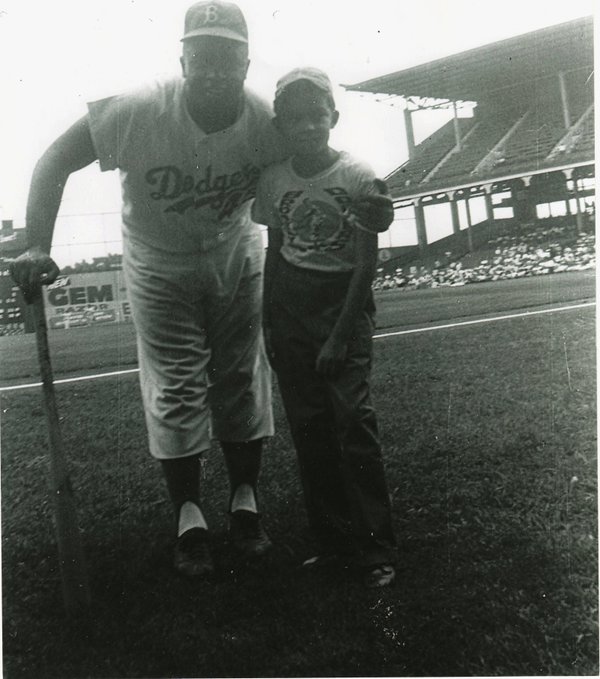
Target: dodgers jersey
column 183, row 190
column 309, row 211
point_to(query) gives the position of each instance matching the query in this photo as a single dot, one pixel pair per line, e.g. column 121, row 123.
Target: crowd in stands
column 516, row 255
column 539, row 252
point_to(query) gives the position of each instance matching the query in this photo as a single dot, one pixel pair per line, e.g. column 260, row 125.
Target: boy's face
column 305, row 116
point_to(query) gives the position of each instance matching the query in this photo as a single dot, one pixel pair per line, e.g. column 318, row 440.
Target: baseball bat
column 75, row 588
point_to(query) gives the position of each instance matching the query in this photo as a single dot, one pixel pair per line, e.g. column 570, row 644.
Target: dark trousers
column 332, row 420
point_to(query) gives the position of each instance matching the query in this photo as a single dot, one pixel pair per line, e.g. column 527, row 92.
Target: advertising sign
column 85, row 299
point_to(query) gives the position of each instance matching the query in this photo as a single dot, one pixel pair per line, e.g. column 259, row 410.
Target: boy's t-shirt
column 183, row 190
column 309, row 211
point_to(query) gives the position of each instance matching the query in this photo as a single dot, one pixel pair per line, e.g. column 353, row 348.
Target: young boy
column 318, row 317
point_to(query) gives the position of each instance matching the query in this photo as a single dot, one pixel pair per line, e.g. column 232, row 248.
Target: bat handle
column 45, row 365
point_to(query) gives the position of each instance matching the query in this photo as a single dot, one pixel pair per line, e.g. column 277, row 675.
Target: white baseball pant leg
column 203, row 367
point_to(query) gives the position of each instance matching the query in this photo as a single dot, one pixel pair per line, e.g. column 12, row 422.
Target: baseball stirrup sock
column 244, row 498
column 190, row 516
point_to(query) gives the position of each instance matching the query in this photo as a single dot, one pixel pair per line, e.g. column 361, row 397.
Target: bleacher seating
column 475, row 147
column 580, row 143
column 533, row 139
column 585, row 141
column 429, row 153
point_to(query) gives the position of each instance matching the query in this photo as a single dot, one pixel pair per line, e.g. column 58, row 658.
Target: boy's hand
column 331, row 358
column 269, row 345
column 374, row 212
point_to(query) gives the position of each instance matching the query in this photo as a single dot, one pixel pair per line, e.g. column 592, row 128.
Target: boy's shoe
column 192, row 555
column 379, row 575
column 327, row 560
column 247, row 533
column 320, row 561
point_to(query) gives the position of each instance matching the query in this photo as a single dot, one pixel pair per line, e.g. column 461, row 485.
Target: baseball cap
column 314, row 75
column 217, row 18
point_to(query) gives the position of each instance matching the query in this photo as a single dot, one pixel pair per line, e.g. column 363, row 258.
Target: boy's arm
column 275, row 241
column 262, row 212
column 333, row 352
column 374, row 211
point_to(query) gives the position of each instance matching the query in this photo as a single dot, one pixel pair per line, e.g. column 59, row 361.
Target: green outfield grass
column 489, row 434
column 112, row 346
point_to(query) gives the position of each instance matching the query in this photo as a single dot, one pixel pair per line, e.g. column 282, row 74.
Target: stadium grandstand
column 528, row 141
column 520, row 136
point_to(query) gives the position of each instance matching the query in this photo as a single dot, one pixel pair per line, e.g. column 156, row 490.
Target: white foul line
column 387, row 334
column 71, row 379
column 484, row 320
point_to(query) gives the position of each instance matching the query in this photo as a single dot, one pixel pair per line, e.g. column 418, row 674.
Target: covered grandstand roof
column 522, row 124
column 479, row 73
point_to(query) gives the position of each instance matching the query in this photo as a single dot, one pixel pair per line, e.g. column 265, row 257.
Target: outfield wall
column 87, row 299
column 12, row 315
column 73, row 300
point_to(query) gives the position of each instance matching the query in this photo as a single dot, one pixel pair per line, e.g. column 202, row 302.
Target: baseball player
column 189, row 151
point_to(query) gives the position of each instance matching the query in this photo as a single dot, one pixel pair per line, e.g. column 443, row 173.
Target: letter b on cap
column 211, row 14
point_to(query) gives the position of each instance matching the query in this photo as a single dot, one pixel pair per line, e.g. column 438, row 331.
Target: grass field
column 489, row 432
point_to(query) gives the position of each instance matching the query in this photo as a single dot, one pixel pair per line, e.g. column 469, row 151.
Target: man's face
column 214, row 70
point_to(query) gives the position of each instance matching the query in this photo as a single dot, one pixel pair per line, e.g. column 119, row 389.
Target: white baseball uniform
column 193, row 263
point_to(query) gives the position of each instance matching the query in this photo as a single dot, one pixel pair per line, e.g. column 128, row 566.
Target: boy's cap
column 314, row 75
column 217, row 18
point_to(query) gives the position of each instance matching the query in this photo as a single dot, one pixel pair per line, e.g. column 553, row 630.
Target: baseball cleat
column 192, row 555
column 247, row 534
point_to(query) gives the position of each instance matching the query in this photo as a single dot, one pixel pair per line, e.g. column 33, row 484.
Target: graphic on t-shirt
column 312, row 224
column 222, row 193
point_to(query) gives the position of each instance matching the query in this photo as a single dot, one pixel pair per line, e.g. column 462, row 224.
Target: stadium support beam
column 454, row 212
column 523, row 203
column 568, row 206
column 410, row 133
column 421, row 228
column 489, row 206
column 568, row 172
column 564, row 99
column 469, row 223
column 456, row 128
column 578, row 215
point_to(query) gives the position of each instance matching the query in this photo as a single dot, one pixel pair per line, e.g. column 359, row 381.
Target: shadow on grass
column 468, row 600
column 490, row 455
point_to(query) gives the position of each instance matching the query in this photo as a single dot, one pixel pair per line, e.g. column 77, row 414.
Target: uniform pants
column 203, row 368
column 332, row 420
